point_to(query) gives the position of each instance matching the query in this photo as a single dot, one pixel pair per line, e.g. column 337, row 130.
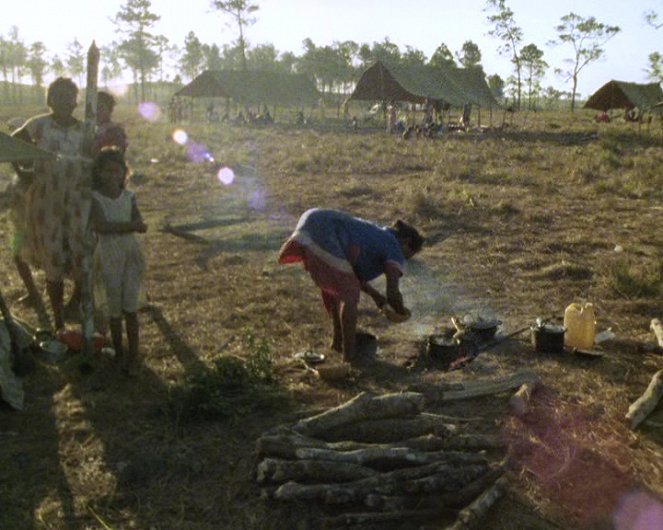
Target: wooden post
column 90, row 124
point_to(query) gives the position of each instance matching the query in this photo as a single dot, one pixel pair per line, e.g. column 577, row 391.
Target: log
column 657, row 328
column 471, row 516
column 372, row 518
column 519, row 402
column 646, row 403
column 362, row 407
column 391, row 430
column 486, row 387
column 286, row 445
column 396, row 482
column 389, row 456
column 453, row 499
column 303, row 471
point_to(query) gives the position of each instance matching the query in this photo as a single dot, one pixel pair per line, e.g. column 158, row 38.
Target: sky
column 421, row 24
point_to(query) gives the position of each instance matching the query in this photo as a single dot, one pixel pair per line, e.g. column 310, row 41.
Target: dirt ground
column 519, row 223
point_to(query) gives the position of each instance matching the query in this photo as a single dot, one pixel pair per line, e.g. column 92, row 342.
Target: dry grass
column 520, row 223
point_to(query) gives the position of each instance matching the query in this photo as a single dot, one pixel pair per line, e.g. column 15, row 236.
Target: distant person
column 108, row 132
column 119, row 262
column 343, row 254
column 57, row 200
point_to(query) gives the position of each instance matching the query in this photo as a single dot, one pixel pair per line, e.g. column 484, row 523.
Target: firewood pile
column 380, row 460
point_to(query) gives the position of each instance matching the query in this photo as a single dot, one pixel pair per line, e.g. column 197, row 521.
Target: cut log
column 372, row 518
column 305, row 471
column 452, row 499
column 657, row 328
column 487, row 387
column 286, row 445
column 362, row 407
column 399, row 482
column 391, row 430
column 646, row 403
column 519, row 402
column 389, row 456
column 471, row 516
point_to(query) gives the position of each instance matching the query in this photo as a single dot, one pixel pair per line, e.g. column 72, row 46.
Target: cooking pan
column 548, row 338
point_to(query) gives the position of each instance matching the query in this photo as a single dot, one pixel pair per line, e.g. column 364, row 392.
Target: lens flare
column 198, row 153
column 638, row 510
column 256, row 199
column 150, row 111
column 226, row 176
column 180, row 136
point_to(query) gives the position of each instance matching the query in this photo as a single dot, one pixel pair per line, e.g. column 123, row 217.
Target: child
column 57, row 196
column 343, row 253
column 119, row 261
column 108, row 132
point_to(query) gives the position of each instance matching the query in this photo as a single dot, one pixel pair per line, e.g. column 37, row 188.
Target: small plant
column 231, row 387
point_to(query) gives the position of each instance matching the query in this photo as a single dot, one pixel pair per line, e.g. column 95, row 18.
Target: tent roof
column 418, row 83
column 624, row 95
column 13, row 150
column 253, row 87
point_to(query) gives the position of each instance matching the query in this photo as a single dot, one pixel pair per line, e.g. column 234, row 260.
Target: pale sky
column 422, row 24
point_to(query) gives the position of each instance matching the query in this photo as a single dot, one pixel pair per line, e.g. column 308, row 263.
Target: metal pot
column 548, row 338
column 484, row 330
column 443, row 347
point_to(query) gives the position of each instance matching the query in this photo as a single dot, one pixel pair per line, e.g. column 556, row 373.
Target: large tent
column 624, row 95
column 14, row 150
column 252, row 87
column 453, row 87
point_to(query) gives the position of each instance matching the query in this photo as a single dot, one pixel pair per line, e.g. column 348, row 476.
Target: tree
column 37, row 64
column 442, row 57
column 531, row 58
column 655, row 69
column 134, row 19
column 163, row 48
column 75, row 60
column 505, row 29
column 413, row 57
column 262, row 57
column 193, row 56
column 379, row 51
column 469, row 55
column 57, row 66
column 287, row 62
column 111, row 68
column 586, row 36
column 240, row 11
column 212, row 54
column 496, row 85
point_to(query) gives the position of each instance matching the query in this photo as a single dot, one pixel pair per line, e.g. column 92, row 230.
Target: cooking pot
column 443, row 347
column 484, row 330
column 548, row 338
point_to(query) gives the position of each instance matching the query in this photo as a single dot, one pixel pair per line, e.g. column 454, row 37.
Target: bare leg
column 55, row 292
column 26, row 275
column 116, row 337
column 349, row 328
column 337, row 341
column 131, row 320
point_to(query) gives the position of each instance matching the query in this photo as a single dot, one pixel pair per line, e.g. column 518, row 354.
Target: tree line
column 151, row 57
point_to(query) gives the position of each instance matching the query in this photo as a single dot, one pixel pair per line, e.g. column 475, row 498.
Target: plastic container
column 580, row 324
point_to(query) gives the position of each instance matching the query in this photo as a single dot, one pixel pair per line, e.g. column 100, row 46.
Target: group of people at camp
column 59, row 198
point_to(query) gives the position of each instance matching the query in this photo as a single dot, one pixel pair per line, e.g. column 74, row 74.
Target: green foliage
column 634, row 279
column 231, row 387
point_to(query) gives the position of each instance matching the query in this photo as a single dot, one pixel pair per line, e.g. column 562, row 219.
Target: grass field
column 520, row 221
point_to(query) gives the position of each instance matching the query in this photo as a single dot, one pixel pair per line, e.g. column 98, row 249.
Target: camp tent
column 623, row 95
column 252, row 87
column 14, row 150
column 453, row 87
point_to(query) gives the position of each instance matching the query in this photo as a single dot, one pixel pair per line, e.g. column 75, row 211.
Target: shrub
column 630, row 280
column 231, row 387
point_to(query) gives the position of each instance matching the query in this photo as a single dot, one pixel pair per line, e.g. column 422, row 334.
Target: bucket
column 580, row 324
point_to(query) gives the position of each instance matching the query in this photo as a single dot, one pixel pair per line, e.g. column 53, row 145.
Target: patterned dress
column 57, row 203
column 341, row 252
column 119, row 264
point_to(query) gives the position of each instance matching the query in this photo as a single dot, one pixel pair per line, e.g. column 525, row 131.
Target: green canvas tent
column 624, row 95
column 253, row 87
column 14, row 150
column 453, row 87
